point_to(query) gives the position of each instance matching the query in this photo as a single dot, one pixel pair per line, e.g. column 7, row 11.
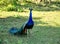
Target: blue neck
column 30, row 17
column 30, row 21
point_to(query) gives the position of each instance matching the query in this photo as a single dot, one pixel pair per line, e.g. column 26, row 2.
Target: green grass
column 45, row 31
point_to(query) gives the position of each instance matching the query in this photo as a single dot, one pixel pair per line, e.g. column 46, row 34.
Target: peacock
column 28, row 25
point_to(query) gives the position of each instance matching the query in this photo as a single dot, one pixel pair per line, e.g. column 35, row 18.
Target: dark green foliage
column 12, row 8
column 17, row 5
column 10, row 5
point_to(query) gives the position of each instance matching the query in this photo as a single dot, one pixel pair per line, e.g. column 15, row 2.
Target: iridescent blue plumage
column 13, row 30
column 27, row 25
column 30, row 21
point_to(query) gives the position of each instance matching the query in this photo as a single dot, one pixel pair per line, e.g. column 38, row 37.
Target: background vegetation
column 46, row 16
column 20, row 5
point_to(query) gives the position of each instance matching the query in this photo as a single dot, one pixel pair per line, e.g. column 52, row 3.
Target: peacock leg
column 29, row 32
column 25, row 31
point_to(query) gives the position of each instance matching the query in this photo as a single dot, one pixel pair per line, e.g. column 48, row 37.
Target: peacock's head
column 30, row 9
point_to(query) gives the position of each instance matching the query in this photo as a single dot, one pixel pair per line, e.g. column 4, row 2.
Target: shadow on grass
column 41, row 34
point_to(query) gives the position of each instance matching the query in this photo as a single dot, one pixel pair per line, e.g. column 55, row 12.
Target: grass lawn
column 45, row 31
